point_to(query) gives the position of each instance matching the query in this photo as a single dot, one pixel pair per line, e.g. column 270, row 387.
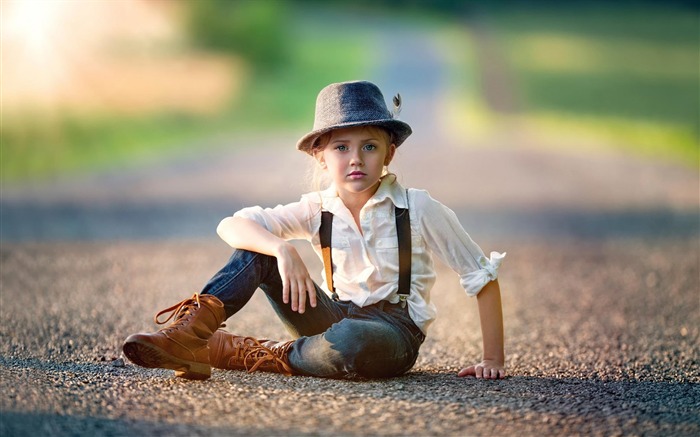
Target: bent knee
column 354, row 349
column 377, row 356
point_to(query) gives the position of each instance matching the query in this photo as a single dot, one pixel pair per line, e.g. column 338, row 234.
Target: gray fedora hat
column 349, row 104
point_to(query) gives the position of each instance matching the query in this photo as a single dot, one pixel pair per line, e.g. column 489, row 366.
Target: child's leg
column 245, row 271
column 184, row 344
column 337, row 339
column 372, row 342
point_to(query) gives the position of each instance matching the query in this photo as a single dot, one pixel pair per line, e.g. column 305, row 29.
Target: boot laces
column 179, row 310
column 244, row 348
column 259, row 355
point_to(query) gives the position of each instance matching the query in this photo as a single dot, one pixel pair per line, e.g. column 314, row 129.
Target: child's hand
column 295, row 280
column 487, row 369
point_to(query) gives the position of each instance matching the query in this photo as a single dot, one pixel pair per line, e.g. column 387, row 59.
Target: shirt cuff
column 474, row 281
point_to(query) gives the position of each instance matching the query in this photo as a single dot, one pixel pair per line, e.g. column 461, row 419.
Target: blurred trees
column 627, row 69
column 255, row 30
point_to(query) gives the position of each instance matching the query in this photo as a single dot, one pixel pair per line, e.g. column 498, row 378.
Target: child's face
column 355, row 158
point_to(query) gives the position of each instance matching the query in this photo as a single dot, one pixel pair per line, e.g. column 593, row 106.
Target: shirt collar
column 389, row 188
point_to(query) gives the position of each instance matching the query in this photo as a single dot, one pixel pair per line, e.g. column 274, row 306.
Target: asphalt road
column 601, row 291
column 601, row 339
column 600, row 288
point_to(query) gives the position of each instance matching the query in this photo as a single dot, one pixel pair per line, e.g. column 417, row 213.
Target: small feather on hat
column 397, row 106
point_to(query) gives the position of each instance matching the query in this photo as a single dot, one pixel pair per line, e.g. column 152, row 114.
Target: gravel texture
column 602, row 338
column 601, row 289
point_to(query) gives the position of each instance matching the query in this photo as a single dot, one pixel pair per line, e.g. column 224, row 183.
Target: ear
column 320, row 158
column 390, row 154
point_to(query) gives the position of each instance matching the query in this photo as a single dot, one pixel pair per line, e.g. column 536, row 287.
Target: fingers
column 294, row 291
column 488, row 372
column 493, row 373
column 483, row 372
column 468, row 371
column 299, row 293
column 311, row 287
column 302, row 297
column 304, row 288
column 285, row 291
column 296, row 282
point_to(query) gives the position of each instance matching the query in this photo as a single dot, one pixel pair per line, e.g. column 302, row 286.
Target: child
column 375, row 238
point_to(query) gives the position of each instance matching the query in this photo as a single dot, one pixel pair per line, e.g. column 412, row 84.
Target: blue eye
column 370, row 147
column 341, row 148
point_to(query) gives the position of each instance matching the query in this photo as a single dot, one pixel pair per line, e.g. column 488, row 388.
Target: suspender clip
column 335, row 297
column 402, row 299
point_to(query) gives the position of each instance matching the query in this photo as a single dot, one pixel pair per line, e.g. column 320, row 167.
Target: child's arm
column 246, row 234
column 492, row 365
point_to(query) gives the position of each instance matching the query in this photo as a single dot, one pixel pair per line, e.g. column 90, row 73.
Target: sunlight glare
column 32, row 23
column 33, row 69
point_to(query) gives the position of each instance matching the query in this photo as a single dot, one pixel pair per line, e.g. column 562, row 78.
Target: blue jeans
column 333, row 340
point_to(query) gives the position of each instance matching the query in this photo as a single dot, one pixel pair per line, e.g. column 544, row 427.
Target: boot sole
column 150, row 356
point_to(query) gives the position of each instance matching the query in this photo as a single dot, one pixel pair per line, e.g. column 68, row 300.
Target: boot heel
column 182, row 345
column 197, row 371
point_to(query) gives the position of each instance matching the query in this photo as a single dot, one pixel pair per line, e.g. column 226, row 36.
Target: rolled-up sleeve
column 474, row 281
column 292, row 221
column 447, row 239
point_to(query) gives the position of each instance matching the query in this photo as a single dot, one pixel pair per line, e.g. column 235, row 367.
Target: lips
column 356, row 175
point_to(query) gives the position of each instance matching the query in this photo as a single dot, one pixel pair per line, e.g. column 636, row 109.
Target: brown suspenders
column 403, row 232
column 325, row 233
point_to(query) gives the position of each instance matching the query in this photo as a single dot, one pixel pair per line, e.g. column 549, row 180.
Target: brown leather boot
column 233, row 352
column 183, row 345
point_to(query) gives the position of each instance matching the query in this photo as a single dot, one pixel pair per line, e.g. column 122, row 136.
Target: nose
column 356, row 159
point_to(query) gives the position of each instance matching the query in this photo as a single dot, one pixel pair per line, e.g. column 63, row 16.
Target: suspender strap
column 325, row 234
column 403, row 232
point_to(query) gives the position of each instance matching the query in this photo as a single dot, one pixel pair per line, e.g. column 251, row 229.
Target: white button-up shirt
column 366, row 264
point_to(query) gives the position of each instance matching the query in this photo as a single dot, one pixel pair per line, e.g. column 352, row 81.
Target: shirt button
column 379, row 244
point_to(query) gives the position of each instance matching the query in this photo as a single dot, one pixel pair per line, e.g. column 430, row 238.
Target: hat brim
column 398, row 128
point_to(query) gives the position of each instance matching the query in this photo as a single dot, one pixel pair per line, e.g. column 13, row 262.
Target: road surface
column 600, row 289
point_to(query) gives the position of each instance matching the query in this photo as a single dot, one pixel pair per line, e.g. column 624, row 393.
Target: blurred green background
column 90, row 85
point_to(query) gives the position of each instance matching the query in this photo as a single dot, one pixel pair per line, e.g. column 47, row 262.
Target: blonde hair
column 317, row 178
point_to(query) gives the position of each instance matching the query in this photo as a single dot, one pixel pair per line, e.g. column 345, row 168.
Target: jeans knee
column 236, row 282
column 243, row 257
column 246, row 260
column 376, row 355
